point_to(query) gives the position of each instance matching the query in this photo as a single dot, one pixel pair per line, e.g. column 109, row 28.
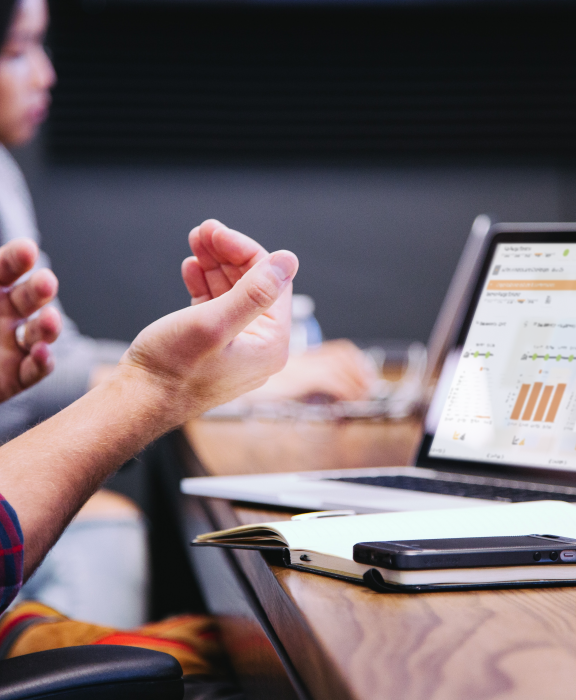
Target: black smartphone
column 462, row 552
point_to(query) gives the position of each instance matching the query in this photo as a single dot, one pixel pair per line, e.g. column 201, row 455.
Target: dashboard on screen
column 512, row 394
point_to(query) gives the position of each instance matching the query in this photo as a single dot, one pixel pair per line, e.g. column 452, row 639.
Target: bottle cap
column 302, row 307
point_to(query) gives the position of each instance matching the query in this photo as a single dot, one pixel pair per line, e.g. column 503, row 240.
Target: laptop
column 501, row 425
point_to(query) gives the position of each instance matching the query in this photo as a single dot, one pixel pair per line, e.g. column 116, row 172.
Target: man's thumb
column 253, row 294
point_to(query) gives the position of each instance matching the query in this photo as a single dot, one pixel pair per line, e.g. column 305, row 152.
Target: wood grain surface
column 347, row 642
column 445, row 646
column 509, row 644
column 256, row 446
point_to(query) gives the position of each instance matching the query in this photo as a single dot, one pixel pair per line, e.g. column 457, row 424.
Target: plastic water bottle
column 305, row 331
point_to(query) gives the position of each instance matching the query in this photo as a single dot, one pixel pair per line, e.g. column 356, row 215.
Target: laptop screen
column 511, row 398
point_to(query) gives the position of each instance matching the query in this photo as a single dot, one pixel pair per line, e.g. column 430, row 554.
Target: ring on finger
column 20, row 335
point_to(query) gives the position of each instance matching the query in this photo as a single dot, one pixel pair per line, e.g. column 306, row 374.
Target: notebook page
column 337, row 536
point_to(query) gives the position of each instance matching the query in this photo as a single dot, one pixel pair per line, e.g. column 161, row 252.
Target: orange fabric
column 15, row 621
column 128, row 639
column 191, row 639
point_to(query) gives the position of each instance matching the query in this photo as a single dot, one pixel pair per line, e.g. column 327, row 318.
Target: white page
column 337, row 536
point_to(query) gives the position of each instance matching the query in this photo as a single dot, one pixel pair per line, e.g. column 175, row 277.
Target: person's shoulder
column 8, row 165
column 12, row 178
column 17, row 217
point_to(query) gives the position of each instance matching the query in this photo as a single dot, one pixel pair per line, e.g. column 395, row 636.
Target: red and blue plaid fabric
column 11, row 554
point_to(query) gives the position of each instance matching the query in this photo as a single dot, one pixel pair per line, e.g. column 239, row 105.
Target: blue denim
column 97, row 572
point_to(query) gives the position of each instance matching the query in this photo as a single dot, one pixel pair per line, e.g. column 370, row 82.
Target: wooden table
column 259, row 446
column 299, row 635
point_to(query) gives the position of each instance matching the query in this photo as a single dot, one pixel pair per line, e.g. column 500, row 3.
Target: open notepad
column 325, row 545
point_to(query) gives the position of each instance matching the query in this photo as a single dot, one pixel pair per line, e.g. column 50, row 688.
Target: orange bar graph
column 533, row 285
column 554, row 406
column 522, row 394
column 543, row 402
column 534, row 394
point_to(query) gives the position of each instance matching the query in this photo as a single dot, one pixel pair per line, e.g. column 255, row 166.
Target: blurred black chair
column 92, row 673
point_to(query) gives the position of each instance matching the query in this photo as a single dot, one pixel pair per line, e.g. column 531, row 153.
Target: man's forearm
column 176, row 368
column 50, row 471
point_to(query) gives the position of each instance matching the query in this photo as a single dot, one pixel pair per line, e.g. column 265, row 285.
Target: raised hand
column 25, row 356
column 234, row 337
column 337, row 370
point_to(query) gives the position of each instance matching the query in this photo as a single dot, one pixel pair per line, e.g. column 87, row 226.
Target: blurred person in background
column 107, row 540
column 26, row 78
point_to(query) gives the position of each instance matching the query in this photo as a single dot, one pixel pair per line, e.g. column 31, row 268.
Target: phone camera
column 537, row 556
column 553, row 556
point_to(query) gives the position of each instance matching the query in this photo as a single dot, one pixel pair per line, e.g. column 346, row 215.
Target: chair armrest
column 99, row 672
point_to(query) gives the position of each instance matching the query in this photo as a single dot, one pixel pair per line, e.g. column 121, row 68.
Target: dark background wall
column 374, row 187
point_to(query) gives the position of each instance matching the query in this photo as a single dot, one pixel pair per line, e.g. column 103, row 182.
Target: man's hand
column 231, row 340
column 336, row 369
column 25, row 356
column 177, row 368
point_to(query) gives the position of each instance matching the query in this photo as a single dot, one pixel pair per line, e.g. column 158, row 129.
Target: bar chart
column 538, row 402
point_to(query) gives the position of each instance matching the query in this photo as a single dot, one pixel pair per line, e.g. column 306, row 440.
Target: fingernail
column 283, row 265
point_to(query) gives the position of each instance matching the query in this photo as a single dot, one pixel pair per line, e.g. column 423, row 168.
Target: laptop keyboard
column 472, row 489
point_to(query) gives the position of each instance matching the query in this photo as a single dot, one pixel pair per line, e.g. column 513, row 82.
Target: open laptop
column 502, row 422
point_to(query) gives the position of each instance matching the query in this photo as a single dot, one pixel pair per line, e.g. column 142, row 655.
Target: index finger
column 16, row 258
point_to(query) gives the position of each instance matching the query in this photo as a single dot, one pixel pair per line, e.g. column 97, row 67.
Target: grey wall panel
column 377, row 245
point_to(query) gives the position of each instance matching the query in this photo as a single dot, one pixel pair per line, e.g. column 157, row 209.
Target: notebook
column 324, row 545
column 502, row 422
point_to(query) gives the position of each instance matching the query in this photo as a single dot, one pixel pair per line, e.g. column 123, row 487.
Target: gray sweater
column 75, row 354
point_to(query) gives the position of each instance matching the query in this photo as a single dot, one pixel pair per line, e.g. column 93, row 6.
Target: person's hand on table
column 25, row 355
column 335, row 371
column 233, row 337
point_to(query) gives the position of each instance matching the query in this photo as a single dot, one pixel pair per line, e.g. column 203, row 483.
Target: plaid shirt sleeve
column 11, row 554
